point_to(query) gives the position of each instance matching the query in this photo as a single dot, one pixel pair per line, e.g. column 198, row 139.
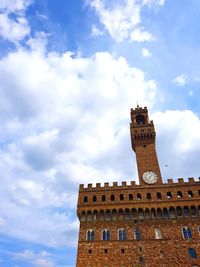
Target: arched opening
column 139, row 197
column 101, row 215
column 95, row 215
column 122, row 234
column 105, row 235
column 89, row 216
column 121, row 214
column 137, row 234
column 172, row 213
column 141, row 214
column 134, row 214
column 83, row 216
column 169, row 195
column 179, row 194
column 148, row 196
column 114, row 214
column 190, row 193
column 127, row 214
column 94, row 198
column 186, row 211
column 153, row 213
column 165, row 213
column 147, row 214
column 159, row 196
column 85, row 199
column 179, row 212
column 159, row 213
column 192, row 253
column 108, row 215
column 90, row 235
column 121, row 197
column 130, row 196
column 193, row 211
column 140, row 119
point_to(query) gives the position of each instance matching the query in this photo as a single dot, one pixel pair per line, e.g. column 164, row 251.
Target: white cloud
column 96, row 31
column 180, row 80
column 62, row 126
column 122, row 19
column 146, row 52
column 15, row 28
column 41, row 259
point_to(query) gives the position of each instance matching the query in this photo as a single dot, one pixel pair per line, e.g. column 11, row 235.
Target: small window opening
column 94, row 198
column 122, row 250
column 190, row 194
column 139, row 197
column 89, row 251
column 179, row 194
column 130, row 196
column 159, row 196
column 85, row 199
column 106, row 250
column 112, row 197
column 169, row 195
column 121, row 197
column 148, row 196
column 103, row 198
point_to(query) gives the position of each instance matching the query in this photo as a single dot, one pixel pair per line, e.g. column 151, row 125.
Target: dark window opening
column 122, row 234
column 106, row 250
column 121, row 197
column 112, row 197
column 106, row 235
column 140, row 119
column 192, row 253
column 187, row 233
column 85, row 199
column 148, row 196
column 130, row 196
column 137, row 234
column 94, row 198
column 190, row 194
column 122, row 250
column 89, row 251
column 169, row 195
column 140, row 259
column 179, row 194
column 103, row 198
column 139, row 196
column 159, row 196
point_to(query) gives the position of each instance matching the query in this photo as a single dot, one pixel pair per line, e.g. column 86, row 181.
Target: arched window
column 190, row 194
column 140, row 119
column 148, row 196
column 85, row 199
column 112, row 197
column 179, row 194
column 158, row 233
column 192, row 253
column 186, row 232
column 139, row 196
column 121, row 197
column 106, row 235
column 137, row 234
column 130, row 196
column 90, row 235
column 169, row 195
column 103, row 198
column 94, row 198
column 122, row 234
column 159, row 196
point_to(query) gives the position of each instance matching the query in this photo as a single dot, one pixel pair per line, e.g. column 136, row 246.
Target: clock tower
column 143, row 143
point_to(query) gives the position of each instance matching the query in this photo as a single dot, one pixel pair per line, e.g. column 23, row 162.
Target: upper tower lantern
column 143, row 143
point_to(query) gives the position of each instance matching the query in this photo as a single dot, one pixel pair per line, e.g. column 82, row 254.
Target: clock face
column 149, row 177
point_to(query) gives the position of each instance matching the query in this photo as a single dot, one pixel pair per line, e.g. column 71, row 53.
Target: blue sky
column 69, row 73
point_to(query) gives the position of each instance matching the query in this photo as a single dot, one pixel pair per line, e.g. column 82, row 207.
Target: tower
column 143, row 137
column 153, row 224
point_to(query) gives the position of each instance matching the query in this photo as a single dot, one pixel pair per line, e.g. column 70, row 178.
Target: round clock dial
column 149, row 177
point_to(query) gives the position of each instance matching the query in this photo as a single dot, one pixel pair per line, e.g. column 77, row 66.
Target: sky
column 69, row 73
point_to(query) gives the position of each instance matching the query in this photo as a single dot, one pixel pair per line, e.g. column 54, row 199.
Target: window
column 158, row 233
column 106, row 234
column 106, row 250
column 192, row 253
column 130, row 196
column 121, row 197
column 186, row 232
column 112, row 197
column 190, row 194
column 89, row 251
column 122, row 234
column 90, row 235
column 122, row 250
column 159, row 196
column 179, row 194
column 94, row 198
column 139, row 196
column 162, row 254
column 169, row 195
column 148, row 196
column 85, row 199
column 103, row 198
column 137, row 234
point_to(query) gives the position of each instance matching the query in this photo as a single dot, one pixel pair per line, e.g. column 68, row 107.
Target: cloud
column 146, row 52
column 122, row 19
column 96, row 31
column 180, row 80
column 41, row 259
column 62, row 126
column 14, row 27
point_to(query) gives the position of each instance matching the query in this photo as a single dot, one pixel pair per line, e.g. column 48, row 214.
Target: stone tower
column 153, row 224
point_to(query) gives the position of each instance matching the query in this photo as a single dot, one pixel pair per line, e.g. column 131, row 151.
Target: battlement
column 139, row 110
column 132, row 184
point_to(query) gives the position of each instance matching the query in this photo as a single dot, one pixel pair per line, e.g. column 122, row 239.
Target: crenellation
column 170, row 181
column 124, row 185
column 89, row 186
column 106, row 185
column 180, row 180
column 115, row 184
column 191, row 180
column 98, row 185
